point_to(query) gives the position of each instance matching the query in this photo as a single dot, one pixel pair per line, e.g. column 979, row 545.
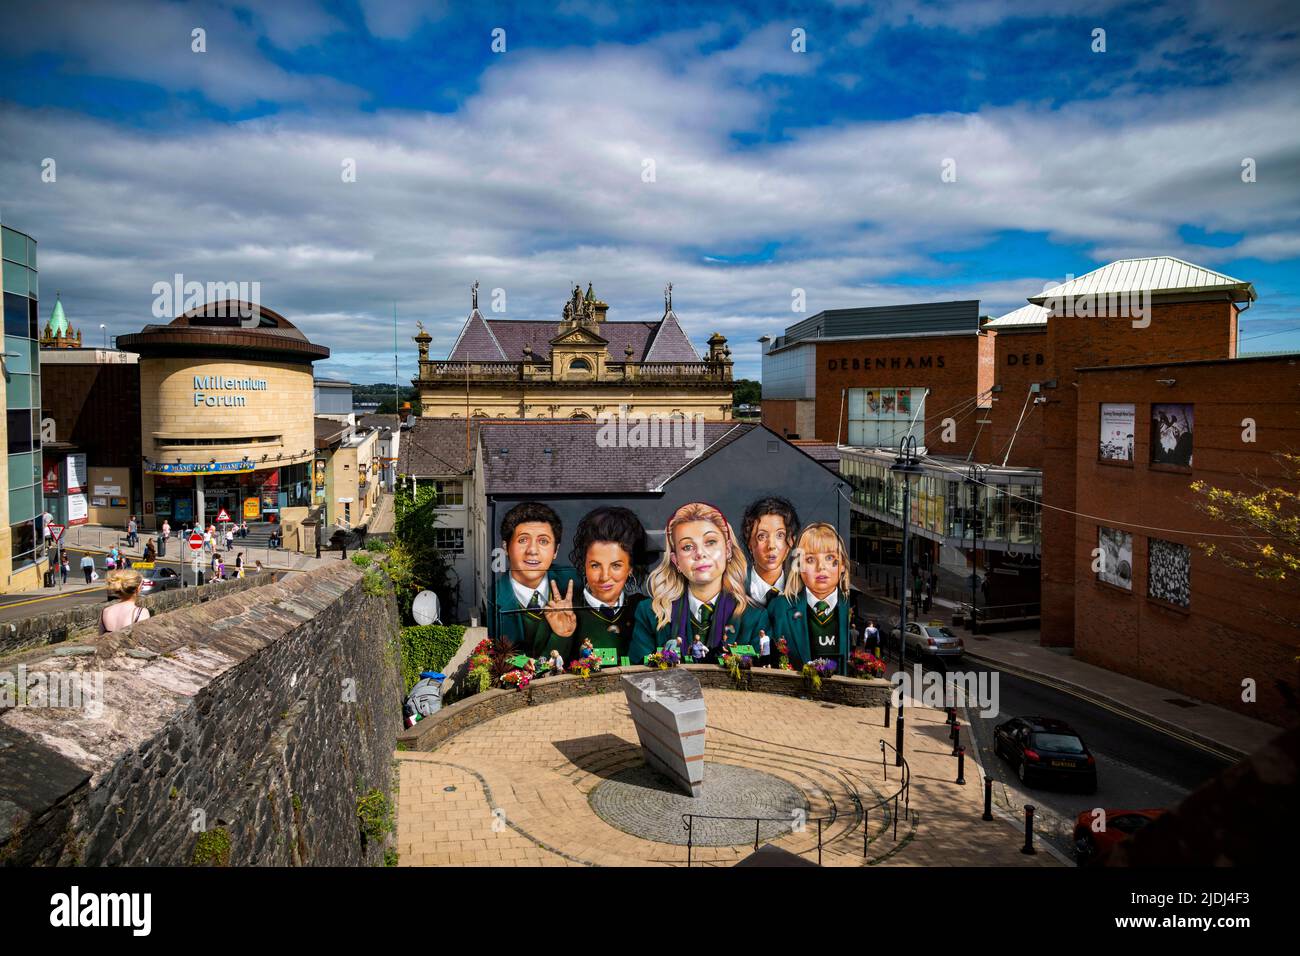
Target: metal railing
column 688, row 821
column 904, row 792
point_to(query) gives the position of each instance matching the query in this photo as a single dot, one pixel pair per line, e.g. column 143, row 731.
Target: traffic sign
column 196, row 541
column 223, row 515
column 56, row 531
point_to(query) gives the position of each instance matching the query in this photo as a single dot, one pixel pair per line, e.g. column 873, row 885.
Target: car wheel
column 1022, row 772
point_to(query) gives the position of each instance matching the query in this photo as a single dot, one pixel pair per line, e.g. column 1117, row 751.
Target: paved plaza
column 518, row 790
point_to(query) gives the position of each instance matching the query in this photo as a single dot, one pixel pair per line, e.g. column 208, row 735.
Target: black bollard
column 888, row 703
column 956, row 739
column 988, row 798
column 898, row 743
column 961, row 767
column 952, row 715
column 1028, row 848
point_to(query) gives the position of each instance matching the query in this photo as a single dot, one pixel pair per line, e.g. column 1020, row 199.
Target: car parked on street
column 1090, row 843
column 1042, row 748
column 931, row 639
column 158, row 579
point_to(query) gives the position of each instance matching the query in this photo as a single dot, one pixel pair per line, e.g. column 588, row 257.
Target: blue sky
column 775, row 169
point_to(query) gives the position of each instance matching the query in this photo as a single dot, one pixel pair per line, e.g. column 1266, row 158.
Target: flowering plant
column 862, row 663
column 480, row 665
column 519, row 678
column 585, row 666
column 815, row 670
column 736, row 664
column 663, row 659
column 783, row 655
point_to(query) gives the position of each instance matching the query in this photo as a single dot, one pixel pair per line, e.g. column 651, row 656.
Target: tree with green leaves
column 415, row 563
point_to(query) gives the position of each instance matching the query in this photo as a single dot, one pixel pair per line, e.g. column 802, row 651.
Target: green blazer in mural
column 506, row 618
column 790, row 620
column 647, row 637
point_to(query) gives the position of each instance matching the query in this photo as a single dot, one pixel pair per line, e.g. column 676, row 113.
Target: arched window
column 579, row 413
column 579, row 365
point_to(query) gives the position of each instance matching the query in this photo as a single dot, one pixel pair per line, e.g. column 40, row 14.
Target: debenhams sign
column 204, row 385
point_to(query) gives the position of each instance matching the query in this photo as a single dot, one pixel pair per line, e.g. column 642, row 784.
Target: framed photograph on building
column 1171, row 435
column 1169, row 572
column 1117, row 430
column 1116, row 557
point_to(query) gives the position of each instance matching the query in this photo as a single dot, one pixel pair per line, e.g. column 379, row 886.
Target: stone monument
column 668, row 710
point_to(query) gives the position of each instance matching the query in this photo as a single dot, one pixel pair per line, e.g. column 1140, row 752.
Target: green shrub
column 361, row 560
column 428, row 647
column 376, row 544
column 212, row 848
column 374, row 583
column 375, row 815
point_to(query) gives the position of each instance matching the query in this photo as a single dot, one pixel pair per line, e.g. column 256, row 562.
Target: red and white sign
column 196, row 541
column 223, row 515
column 56, row 531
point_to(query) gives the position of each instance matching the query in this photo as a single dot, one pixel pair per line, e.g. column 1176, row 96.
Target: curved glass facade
column 21, row 283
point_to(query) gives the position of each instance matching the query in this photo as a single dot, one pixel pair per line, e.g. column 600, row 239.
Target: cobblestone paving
column 524, row 783
column 640, row 802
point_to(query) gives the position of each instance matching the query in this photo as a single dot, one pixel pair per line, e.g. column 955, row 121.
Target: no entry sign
column 196, row 541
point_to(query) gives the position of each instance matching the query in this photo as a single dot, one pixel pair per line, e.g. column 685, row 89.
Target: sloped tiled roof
column 524, row 457
column 509, row 336
column 1026, row 316
column 1159, row 274
column 477, row 343
column 671, row 343
column 436, row 446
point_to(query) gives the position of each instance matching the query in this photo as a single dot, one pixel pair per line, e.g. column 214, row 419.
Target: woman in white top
column 124, row 587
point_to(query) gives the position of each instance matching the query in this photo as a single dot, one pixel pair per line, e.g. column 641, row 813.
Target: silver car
column 930, row 640
column 158, row 579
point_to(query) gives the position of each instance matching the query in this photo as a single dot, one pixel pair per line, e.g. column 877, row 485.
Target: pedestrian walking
column 243, row 529
column 871, row 636
column 216, row 565
column 230, row 538
column 124, row 587
column 239, row 565
column 854, row 634
column 64, row 568
column 150, row 552
column 88, row 567
column 764, row 649
column 162, row 545
column 131, row 536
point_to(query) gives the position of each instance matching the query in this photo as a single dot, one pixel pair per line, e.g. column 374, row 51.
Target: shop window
column 22, row 541
column 882, row 417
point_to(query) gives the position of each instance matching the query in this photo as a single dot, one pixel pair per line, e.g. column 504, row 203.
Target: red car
column 1089, row 844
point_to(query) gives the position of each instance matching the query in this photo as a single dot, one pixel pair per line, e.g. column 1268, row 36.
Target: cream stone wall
column 713, row 404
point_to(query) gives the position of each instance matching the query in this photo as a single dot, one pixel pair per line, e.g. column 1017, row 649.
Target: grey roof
column 377, row 421
column 477, row 343
column 828, row 453
column 886, row 320
column 1162, row 275
column 436, row 446
column 1027, row 316
column 670, row 343
column 532, row 457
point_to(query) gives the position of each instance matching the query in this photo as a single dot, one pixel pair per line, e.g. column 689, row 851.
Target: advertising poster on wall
column 1171, row 435
column 184, row 509
column 1169, row 567
column 1116, row 557
column 1117, row 431
column 76, row 474
column 51, row 477
column 78, row 511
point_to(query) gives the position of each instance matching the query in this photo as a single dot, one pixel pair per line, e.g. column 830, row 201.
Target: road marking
column 55, row 597
column 1128, row 715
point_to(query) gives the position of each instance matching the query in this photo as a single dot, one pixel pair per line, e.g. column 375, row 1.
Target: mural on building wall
column 1117, row 431
column 1171, row 435
column 1116, row 557
column 1169, row 568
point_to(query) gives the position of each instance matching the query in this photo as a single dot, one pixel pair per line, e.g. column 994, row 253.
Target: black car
column 1042, row 748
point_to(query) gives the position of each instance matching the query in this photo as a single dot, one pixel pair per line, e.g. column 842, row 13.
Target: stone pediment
column 578, row 337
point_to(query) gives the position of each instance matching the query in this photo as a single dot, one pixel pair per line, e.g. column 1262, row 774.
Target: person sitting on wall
column 532, row 605
column 815, row 623
column 697, row 589
column 771, row 525
column 606, row 547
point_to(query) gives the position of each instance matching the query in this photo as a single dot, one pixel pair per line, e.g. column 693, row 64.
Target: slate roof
column 517, row 460
column 436, row 446
column 477, row 343
column 671, row 343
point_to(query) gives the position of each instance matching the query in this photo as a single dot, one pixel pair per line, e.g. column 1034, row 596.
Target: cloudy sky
column 529, row 168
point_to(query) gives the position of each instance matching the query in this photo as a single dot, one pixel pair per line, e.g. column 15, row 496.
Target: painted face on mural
column 820, row 571
column 769, row 546
column 699, row 552
column 607, row 568
column 531, row 551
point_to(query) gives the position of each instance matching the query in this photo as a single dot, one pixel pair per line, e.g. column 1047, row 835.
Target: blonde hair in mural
column 816, row 538
column 667, row 584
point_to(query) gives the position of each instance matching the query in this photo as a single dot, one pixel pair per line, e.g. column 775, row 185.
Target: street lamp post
column 906, row 465
column 974, row 479
column 104, row 329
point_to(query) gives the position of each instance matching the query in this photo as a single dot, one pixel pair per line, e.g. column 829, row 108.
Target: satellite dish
column 425, row 608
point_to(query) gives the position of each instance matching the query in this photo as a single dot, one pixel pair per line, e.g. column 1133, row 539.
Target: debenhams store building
column 226, row 416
